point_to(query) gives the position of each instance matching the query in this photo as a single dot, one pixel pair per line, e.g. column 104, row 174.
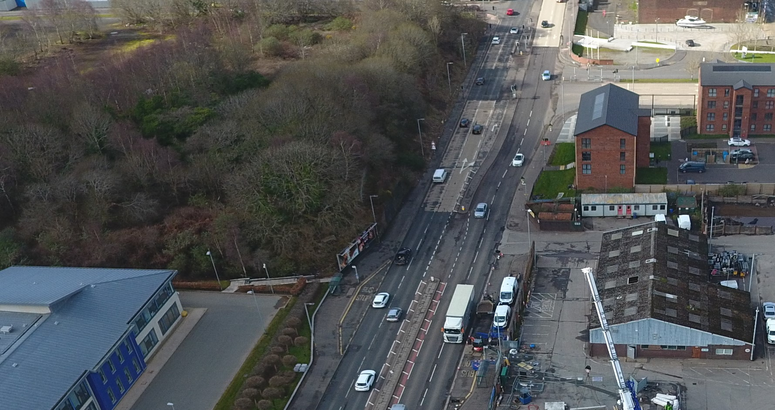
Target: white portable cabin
column 623, row 205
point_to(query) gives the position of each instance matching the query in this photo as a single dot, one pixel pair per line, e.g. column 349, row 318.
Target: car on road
column 403, row 256
column 510, row 12
column 768, row 309
column 465, row 122
column 690, row 43
column 480, row 81
column 514, row 30
column 546, row 76
column 518, row 160
column 496, row 40
column 738, row 142
column 692, row 166
column 380, row 300
column 545, row 24
column 478, row 128
column 481, row 211
column 365, row 380
column 393, row 315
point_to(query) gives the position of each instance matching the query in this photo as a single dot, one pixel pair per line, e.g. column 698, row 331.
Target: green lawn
column 658, row 80
column 564, row 153
column 755, row 58
column 551, row 183
column 581, row 23
column 706, row 137
column 654, row 176
column 661, row 150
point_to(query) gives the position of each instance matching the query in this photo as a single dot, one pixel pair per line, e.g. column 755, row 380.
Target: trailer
column 482, row 333
column 458, row 313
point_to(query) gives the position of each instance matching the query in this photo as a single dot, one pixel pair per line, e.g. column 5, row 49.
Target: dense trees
column 151, row 158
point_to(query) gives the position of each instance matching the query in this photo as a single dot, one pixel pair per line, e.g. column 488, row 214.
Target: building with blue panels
column 79, row 338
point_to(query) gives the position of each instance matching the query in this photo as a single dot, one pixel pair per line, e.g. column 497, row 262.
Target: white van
column 501, row 318
column 508, row 290
column 440, row 176
column 771, row 331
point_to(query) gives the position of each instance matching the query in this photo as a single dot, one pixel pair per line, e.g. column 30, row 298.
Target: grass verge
column 564, row 153
column 706, row 137
column 581, row 23
column 661, row 150
column 551, row 183
column 755, row 58
column 658, row 80
column 653, row 176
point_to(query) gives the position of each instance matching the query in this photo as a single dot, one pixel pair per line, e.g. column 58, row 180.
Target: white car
column 738, row 142
column 496, row 40
column 768, row 309
column 481, row 211
column 518, row 160
column 365, row 380
column 380, row 300
column 546, row 76
column 514, row 30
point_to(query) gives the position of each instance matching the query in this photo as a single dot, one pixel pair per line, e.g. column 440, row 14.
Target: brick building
column 712, row 11
column 612, row 138
column 736, row 99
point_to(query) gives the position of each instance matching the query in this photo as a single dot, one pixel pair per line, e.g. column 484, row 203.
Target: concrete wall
column 750, row 190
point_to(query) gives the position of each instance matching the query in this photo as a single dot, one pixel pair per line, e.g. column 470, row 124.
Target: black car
column 478, row 128
column 743, row 156
column 403, row 256
column 480, row 81
column 545, row 24
column 465, row 122
column 690, row 43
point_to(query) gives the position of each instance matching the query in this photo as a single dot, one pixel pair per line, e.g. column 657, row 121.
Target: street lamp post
column 258, row 309
column 268, row 279
column 463, row 46
column 309, row 321
column 419, row 131
column 449, row 79
column 210, row 254
column 171, row 405
column 357, row 278
column 656, row 36
column 371, row 200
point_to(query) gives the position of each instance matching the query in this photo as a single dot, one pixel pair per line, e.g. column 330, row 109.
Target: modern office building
column 736, row 99
column 79, row 338
column 663, row 14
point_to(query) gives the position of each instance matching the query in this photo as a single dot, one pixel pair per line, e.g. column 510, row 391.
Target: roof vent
column 93, row 285
column 56, row 322
column 15, row 365
column 652, row 260
column 652, row 229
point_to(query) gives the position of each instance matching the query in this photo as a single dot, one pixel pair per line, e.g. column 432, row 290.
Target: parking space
column 721, row 171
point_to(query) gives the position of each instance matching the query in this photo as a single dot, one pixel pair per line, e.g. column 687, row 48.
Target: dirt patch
column 744, row 211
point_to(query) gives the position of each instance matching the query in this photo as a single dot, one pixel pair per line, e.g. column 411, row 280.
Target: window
column 768, row 116
column 724, row 127
column 726, row 104
column 753, row 127
column 586, row 169
column 111, row 395
column 711, row 92
column 726, row 92
column 586, row 208
column 755, row 92
column 770, row 92
column 611, row 207
column 724, row 352
column 712, row 116
column 622, row 143
column 711, row 104
column 586, row 156
column 725, row 116
column 769, row 104
column 654, row 207
column 753, row 117
column 128, row 346
column 120, row 356
column 767, row 127
column 110, row 365
column 169, row 318
column 662, row 207
column 102, row 375
column 622, row 156
column 586, row 143
column 755, row 104
column 622, row 169
column 709, row 127
column 137, row 366
column 128, row 375
column 594, row 207
column 120, row 386
column 636, row 208
column 673, row 347
column 149, row 342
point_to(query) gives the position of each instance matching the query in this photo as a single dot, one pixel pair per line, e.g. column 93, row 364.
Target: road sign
column 475, row 364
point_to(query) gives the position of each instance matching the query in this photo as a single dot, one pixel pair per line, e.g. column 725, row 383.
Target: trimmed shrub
column 290, row 360
column 256, row 382
column 300, row 341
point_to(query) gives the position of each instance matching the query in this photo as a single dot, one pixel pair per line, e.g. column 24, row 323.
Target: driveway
column 719, row 173
column 201, row 368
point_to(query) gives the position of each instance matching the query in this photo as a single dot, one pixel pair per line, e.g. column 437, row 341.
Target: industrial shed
column 623, row 205
column 654, row 284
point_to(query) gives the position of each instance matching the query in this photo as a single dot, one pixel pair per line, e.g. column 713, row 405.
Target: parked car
column 496, row 40
column 394, row 314
column 690, row 43
column 692, row 166
column 403, row 256
column 518, row 160
column 514, row 30
column 545, row 24
column 481, row 211
column 742, row 156
column 480, row 81
column 768, row 309
column 510, row 12
column 738, row 142
column 380, row 300
column 365, row 380
column 546, row 76
column 465, row 122
column 478, row 128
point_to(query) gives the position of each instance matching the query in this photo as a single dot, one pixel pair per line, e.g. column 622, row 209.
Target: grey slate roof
column 730, row 74
column 92, row 309
column 660, row 272
column 609, row 105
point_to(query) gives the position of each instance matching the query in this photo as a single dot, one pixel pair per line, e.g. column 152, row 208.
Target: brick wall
column 712, row 11
column 738, row 352
column 605, row 160
column 755, row 110
column 643, row 142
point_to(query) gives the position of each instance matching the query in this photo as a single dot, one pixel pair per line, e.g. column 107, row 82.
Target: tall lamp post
column 463, row 47
column 210, row 254
column 268, row 279
column 309, row 320
column 449, row 79
column 656, row 36
column 419, row 131
column 357, row 278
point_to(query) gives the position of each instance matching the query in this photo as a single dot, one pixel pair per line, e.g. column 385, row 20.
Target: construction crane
column 627, row 396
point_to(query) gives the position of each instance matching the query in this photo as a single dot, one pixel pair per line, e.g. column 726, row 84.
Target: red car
column 510, row 12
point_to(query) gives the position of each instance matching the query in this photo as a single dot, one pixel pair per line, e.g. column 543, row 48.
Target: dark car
column 478, row 128
column 403, row 256
column 692, row 166
column 480, row 81
column 545, row 24
column 465, row 122
column 741, row 156
column 690, row 43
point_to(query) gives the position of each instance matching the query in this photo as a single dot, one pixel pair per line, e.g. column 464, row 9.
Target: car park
column 768, row 310
column 518, row 160
column 546, row 76
column 545, row 24
column 380, row 300
column 738, row 142
column 481, row 211
column 690, row 43
column 478, row 128
column 365, row 380
column 479, row 81
column 692, row 166
column 496, row 40
column 510, row 12
column 403, row 255
column 741, row 151
column 741, row 156
column 465, row 122
column 394, row 314
column 514, row 30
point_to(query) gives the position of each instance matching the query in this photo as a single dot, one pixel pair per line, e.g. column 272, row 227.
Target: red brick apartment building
column 736, row 99
column 712, row 11
column 612, row 138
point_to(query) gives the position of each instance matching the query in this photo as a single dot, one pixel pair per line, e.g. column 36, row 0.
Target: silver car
column 768, row 309
column 481, row 211
column 394, row 315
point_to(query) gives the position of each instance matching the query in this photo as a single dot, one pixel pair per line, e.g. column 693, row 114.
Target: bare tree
column 278, row 381
column 290, row 360
column 286, row 341
column 250, row 393
column 271, row 393
column 92, row 125
column 256, row 382
column 692, row 64
column 272, row 360
column 243, row 404
column 300, row 341
column 264, row 405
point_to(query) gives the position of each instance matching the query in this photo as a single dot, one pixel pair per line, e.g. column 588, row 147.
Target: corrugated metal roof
column 609, row 105
column 729, row 74
column 79, row 332
column 624, row 198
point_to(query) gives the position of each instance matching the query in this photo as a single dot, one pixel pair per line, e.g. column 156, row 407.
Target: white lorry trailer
column 458, row 314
